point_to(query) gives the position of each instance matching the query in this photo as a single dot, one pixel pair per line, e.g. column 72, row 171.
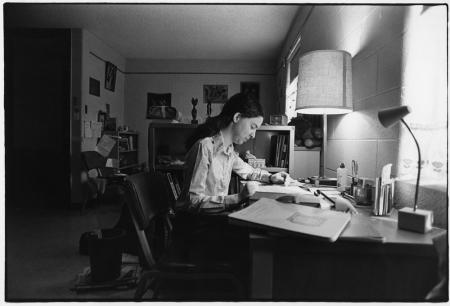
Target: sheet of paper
column 96, row 129
column 296, row 218
column 281, row 189
column 87, row 129
column 105, row 145
column 386, row 174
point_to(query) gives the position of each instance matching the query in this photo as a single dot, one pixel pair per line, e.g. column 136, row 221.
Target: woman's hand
column 280, row 178
column 249, row 189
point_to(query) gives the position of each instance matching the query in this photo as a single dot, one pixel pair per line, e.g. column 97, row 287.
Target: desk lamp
column 324, row 88
column 412, row 219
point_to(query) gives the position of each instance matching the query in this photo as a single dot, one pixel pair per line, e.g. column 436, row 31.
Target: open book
column 270, row 191
column 310, row 221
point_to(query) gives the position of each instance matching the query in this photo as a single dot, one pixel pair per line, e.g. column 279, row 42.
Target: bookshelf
column 125, row 154
column 264, row 145
column 166, row 145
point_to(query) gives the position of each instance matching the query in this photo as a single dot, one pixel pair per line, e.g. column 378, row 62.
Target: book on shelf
column 130, row 143
column 177, row 184
column 279, row 151
column 172, row 185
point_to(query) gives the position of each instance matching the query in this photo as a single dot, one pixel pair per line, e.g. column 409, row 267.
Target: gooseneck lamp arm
column 418, row 164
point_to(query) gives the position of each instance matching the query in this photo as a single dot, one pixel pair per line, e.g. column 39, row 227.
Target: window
column 425, row 91
column 292, row 78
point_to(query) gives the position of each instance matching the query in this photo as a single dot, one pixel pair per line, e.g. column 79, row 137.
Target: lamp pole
column 324, row 146
column 419, row 166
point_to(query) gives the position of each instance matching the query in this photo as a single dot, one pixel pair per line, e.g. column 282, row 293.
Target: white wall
column 375, row 36
column 184, row 79
column 95, row 68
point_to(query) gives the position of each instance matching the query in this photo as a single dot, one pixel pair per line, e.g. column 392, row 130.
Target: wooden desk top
column 364, row 224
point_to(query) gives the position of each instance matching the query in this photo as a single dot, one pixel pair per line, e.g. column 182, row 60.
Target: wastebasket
column 105, row 254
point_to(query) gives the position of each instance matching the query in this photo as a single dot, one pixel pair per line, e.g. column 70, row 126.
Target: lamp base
column 417, row 221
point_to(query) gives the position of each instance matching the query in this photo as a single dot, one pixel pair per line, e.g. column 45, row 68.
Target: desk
column 402, row 268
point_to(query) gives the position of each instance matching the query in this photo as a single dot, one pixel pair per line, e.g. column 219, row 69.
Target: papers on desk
column 270, row 191
column 316, row 222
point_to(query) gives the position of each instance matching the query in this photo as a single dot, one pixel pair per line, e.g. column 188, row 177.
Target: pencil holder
column 384, row 198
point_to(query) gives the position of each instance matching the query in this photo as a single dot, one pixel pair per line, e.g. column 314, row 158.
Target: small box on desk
column 418, row 220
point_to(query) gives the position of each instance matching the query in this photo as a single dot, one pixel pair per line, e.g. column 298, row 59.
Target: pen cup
column 384, row 198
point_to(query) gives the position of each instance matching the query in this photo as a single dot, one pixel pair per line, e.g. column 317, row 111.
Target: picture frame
column 94, row 87
column 157, row 104
column 101, row 118
column 110, row 76
column 215, row 93
column 251, row 90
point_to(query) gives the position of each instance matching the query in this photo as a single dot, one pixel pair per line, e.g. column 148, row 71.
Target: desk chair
column 165, row 256
column 96, row 176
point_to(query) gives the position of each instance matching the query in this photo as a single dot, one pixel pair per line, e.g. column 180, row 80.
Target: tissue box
column 257, row 162
column 278, row 120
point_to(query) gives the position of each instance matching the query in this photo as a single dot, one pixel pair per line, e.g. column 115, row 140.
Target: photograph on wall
column 94, row 87
column 251, row 90
column 157, row 103
column 215, row 93
column 110, row 76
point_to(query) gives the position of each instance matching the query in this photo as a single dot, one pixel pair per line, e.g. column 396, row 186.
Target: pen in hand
column 318, row 192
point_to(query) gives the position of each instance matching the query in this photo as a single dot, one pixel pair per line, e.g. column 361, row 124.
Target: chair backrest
column 147, row 197
column 93, row 160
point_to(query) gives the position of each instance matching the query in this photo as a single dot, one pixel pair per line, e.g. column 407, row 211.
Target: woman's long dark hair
column 239, row 103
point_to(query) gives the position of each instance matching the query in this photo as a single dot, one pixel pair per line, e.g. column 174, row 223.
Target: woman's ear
column 236, row 117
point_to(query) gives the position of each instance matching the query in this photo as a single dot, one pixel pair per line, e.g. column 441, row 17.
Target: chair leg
column 146, row 282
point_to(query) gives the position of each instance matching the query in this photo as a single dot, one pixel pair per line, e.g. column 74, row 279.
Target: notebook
column 298, row 219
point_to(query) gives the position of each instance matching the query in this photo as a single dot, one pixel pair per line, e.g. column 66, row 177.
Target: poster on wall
column 215, row 93
column 159, row 106
column 94, row 87
column 110, row 76
column 251, row 90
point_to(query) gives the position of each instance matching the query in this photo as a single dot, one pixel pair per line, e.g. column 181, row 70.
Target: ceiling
column 169, row 31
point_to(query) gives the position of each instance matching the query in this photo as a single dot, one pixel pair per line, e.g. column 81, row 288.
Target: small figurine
column 194, row 111
column 208, row 108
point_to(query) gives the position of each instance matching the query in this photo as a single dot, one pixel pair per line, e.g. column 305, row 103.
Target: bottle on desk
column 341, row 177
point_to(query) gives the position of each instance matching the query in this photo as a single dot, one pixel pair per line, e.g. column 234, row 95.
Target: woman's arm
column 247, row 172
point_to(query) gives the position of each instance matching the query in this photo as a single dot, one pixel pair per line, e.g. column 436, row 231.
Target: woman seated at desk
column 208, row 168
column 212, row 158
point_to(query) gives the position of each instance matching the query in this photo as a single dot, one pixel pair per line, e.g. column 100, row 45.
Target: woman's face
column 244, row 129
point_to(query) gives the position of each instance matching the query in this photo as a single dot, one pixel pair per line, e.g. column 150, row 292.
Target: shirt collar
column 219, row 144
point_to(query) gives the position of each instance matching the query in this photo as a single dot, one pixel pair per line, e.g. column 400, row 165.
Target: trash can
column 105, row 254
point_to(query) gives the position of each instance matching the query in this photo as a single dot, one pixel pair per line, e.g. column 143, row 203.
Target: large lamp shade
column 325, row 83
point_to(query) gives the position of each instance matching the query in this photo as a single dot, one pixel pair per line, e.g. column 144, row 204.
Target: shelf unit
column 168, row 140
column 261, row 145
column 125, row 153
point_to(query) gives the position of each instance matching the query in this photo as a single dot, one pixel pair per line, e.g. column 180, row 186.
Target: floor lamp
column 324, row 88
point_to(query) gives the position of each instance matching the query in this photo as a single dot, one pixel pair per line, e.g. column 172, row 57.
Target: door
column 37, row 117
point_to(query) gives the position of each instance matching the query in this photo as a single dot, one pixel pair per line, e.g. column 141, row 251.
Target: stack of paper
column 316, row 222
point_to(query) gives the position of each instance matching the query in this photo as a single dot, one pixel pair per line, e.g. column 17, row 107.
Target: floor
column 43, row 260
column 42, row 257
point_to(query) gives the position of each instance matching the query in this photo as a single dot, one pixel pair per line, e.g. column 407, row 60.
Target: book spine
column 284, row 153
column 277, row 156
column 172, row 186
column 177, row 185
column 131, row 142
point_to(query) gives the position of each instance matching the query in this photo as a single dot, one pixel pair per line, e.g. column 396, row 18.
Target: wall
column 95, row 68
column 184, row 79
column 374, row 35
